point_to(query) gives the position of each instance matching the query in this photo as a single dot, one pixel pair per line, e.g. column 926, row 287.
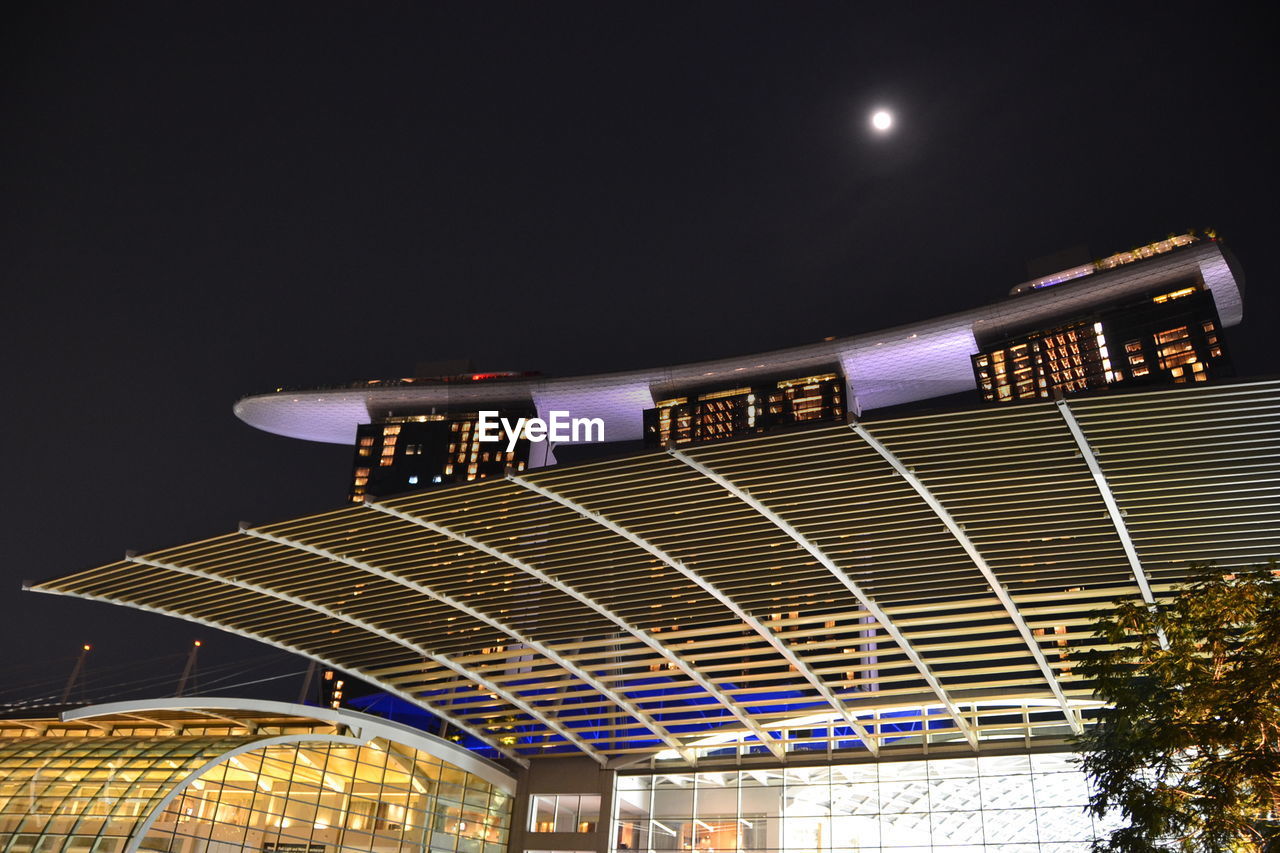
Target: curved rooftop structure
column 851, row 589
column 883, row 368
column 188, row 775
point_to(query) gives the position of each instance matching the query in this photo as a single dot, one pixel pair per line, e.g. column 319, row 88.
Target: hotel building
column 775, row 611
column 1150, row 316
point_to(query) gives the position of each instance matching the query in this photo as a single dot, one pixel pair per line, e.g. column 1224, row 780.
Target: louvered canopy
column 843, row 588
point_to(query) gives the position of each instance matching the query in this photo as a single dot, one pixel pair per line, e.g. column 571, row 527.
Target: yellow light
column 1175, row 294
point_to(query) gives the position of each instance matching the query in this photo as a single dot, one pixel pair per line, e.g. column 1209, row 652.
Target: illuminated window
column 564, row 812
column 1174, row 294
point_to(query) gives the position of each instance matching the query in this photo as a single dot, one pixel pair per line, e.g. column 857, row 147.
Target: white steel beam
column 1104, row 489
column 496, row 689
column 240, row 632
column 636, row 631
column 711, row 589
column 546, row 651
column 981, row 563
column 850, row 584
column 1113, row 509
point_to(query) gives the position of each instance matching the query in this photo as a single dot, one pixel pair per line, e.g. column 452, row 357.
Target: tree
column 1188, row 749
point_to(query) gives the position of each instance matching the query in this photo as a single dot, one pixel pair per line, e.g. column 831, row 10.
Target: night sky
column 203, row 201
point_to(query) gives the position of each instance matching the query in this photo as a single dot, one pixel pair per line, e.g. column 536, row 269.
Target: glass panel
column 949, row 795
column 588, row 812
column 717, row 801
column 967, row 805
column 566, row 814
column 958, row 827
column 1002, row 826
column 673, row 802
column 542, row 814
column 1007, row 792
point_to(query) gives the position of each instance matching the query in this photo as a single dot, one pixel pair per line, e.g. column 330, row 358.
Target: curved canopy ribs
column 908, row 581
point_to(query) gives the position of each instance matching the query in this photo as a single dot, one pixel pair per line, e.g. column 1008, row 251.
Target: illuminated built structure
column 1148, row 314
column 197, row 775
column 842, row 635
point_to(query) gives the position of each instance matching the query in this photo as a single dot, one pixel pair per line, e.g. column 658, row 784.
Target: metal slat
column 635, row 631
column 621, row 701
column 515, row 701
column 978, row 560
column 769, row 636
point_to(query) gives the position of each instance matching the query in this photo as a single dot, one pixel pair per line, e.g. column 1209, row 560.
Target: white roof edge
column 367, row 725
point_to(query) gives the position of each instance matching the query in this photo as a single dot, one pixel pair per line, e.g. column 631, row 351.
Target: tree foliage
column 1188, row 753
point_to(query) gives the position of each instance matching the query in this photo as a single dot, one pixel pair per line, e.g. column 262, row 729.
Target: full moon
column 881, row 120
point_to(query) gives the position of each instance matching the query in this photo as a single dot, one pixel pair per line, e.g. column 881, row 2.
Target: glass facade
column 92, row 795
column 89, row 794
column 1030, row 803
column 408, row 452
column 1171, row 336
column 732, row 412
